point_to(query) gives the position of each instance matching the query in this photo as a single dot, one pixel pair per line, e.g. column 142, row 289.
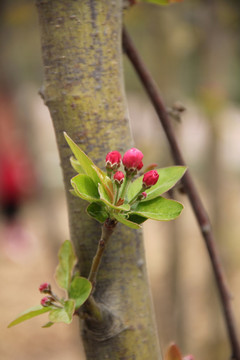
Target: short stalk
column 125, row 185
column 109, row 173
column 107, row 230
column 135, row 198
column 56, row 298
column 116, row 193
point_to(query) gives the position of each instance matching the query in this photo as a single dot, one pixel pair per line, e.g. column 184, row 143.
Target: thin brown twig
column 107, row 230
column 190, row 189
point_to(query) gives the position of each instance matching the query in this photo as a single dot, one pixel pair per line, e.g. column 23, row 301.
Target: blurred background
column 192, row 50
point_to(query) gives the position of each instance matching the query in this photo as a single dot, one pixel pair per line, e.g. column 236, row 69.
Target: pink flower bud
column 45, row 288
column 132, row 159
column 45, row 301
column 140, row 166
column 150, row 178
column 144, row 195
column 113, row 160
column 118, row 177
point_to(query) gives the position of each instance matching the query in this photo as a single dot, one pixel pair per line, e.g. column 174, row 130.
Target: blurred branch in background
column 189, row 188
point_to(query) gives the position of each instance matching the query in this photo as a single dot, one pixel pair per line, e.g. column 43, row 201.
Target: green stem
column 136, row 196
column 107, row 230
column 125, row 185
column 116, row 193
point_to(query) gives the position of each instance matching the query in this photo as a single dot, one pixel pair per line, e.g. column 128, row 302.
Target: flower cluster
column 132, row 162
column 52, row 299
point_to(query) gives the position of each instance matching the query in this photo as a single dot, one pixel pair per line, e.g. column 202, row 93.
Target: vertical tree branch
column 190, row 189
column 83, row 89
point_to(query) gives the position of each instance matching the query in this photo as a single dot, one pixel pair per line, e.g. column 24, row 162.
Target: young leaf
column 76, row 165
column 80, row 289
column 158, row 209
column 67, row 260
column 85, row 188
column 161, row 2
column 173, row 353
column 63, row 315
column 84, row 161
column 98, row 211
column 136, row 218
column 126, row 222
column 30, row 313
column 48, row 324
column 158, row 2
column 104, row 197
column 105, row 181
column 168, row 177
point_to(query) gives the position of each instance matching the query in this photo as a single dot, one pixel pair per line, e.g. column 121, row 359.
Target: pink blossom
column 150, row 178
column 132, row 159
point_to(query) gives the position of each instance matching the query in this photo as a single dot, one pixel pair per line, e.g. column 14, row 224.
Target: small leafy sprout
column 77, row 288
column 121, row 195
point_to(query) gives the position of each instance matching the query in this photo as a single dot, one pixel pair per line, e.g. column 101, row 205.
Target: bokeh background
column 192, row 50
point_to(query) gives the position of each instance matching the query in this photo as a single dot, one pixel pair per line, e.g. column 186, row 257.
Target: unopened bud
column 118, row 177
column 113, row 160
column 150, row 178
column 139, row 167
column 45, row 301
column 45, row 288
column 144, row 195
column 132, row 159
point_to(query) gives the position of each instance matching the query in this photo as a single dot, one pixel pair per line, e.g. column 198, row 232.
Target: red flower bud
column 45, row 288
column 144, row 195
column 45, row 301
column 132, row 159
column 140, row 166
column 113, row 160
column 150, row 178
column 118, row 177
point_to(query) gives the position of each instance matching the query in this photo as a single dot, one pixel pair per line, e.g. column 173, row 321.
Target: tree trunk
column 83, row 88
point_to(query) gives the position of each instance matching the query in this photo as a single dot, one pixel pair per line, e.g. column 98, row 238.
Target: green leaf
column 85, row 162
column 106, row 182
column 168, row 177
column 74, row 193
column 80, row 289
column 65, row 314
column 137, row 218
column 67, row 260
column 126, row 222
column 158, row 2
column 85, row 187
column 30, row 313
column 104, row 197
column 48, row 324
column 98, row 211
column 76, row 165
column 159, row 209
